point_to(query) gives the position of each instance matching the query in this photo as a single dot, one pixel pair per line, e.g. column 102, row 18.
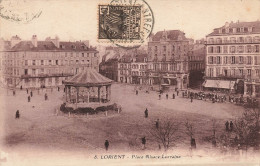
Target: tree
column 166, row 133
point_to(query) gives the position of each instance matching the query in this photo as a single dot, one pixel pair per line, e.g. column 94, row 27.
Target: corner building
column 35, row 64
column 168, row 59
column 233, row 58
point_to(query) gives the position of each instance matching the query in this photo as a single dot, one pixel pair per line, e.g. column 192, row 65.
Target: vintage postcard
column 129, row 82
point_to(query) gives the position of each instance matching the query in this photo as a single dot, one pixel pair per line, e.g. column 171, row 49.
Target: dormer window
column 230, row 30
column 73, row 46
column 223, row 30
column 246, row 29
column 238, row 29
column 83, row 47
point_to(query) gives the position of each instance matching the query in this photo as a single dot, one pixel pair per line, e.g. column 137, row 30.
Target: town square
column 120, row 82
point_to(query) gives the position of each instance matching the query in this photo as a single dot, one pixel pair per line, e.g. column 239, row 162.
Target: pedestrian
column 191, row 99
column 27, row 91
column 29, row 98
column 31, row 93
column 159, row 96
column 17, row 114
column 177, row 93
column 227, row 126
column 173, row 96
column 13, row 92
column 136, row 92
column 157, row 123
column 45, row 96
column 21, row 87
column 146, row 113
column 193, row 143
column 58, row 88
column 166, row 95
column 106, row 144
column 231, row 126
column 143, row 142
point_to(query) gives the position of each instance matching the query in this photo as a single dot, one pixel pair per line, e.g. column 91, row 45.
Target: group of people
column 229, row 126
column 214, row 97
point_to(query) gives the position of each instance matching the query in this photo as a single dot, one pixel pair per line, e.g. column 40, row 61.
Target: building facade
column 34, row 64
column 233, row 58
column 168, row 59
column 197, row 60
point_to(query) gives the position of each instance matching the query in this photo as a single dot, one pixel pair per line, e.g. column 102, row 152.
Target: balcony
column 232, row 42
column 47, row 75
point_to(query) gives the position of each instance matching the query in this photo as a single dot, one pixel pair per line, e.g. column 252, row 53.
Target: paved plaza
column 41, row 127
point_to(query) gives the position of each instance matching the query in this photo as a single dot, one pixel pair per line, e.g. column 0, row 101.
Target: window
column 248, row 49
column 57, row 62
column 225, row 60
column 42, row 71
column 245, row 29
column 257, row 72
column 232, row 49
column 230, row 30
column 256, row 48
column 241, row 72
column 249, row 72
column 164, row 48
column 26, row 62
column 33, row 62
column 233, row 60
column 218, row 60
column 210, row 60
column 241, row 49
column 33, row 71
column 49, row 62
column 25, row 71
column 233, row 40
column 249, row 60
column 225, row 49
column 210, row 50
column 241, row 59
column 218, row 49
column 82, row 54
column 241, row 39
column 223, row 30
column 238, row 29
column 42, row 62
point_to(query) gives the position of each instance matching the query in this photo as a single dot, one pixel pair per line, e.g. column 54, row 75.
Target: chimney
column 15, row 40
column 34, row 40
column 56, row 41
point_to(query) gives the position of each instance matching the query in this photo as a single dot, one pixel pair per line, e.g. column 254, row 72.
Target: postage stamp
column 125, row 23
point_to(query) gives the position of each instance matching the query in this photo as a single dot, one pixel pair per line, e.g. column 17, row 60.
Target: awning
column 223, row 84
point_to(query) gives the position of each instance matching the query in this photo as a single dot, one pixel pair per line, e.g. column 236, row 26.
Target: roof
column 50, row 46
column 141, row 57
column 88, row 77
column 126, row 58
column 255, row 24
column 171, row 35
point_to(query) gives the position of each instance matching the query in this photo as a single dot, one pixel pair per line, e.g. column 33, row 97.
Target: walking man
column 31, row 93
column 17, row 114
column 166, row 95
column 191, row 99
column 177, row 93
column 106, row 144
column 13, row 92
column 173, row 96
column 227, row 126
column 136, row 92
column 231, row 126
column 159, row 96
column 146, row 113
column 27, row 91
column 143, row 142
column 29, row 98
column 157, row 123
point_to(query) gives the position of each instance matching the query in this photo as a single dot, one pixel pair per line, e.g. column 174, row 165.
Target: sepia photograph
column 129, row 82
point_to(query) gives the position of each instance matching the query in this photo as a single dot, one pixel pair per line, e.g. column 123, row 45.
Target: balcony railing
column 232, row 42
column 46, row 75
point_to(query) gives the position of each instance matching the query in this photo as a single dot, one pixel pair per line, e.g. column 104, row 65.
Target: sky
column 77, row 19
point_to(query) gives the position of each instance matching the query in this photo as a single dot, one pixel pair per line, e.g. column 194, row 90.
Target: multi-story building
column 197, row 56
column 33, row 64
column 139, row 68
column 168, row 58
column 124, row 69
column 233, row 58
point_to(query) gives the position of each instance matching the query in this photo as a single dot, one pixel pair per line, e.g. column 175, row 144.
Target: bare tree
column 165, row 133
column 190, row 132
